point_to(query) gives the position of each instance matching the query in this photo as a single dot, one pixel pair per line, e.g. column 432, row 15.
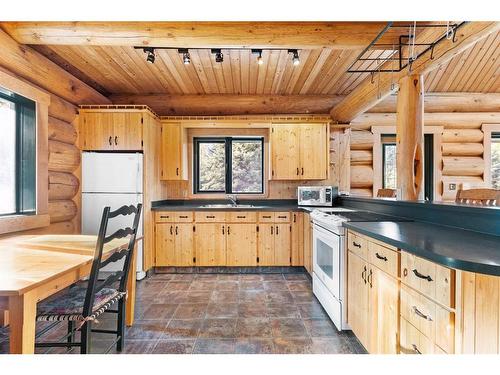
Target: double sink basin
column 230, row 206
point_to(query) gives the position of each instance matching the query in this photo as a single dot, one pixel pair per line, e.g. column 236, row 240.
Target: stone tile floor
column 225, row 313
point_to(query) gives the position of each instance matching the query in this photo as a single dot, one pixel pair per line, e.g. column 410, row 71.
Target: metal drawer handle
column 277, row 230
column 228, row 230
column 381, row 257
column 164, row 217
column 420, row 314
column 176, row 171
column 419, row 275
column 223, row 229
column 356, row 244
column 370, row 278
column 266, row 217
column 272, row 229
column 183, row 217
column 110, row 140
column 297, row 171
column 176, row 230
column 282, row 217
column 302, row 171
column 416, row 349
column 116, row 140
column 363, row 274
column 240, row 217
column 171, row 230
column 210, row 217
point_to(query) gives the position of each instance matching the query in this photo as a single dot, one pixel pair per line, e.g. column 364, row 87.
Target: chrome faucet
column 233, row 198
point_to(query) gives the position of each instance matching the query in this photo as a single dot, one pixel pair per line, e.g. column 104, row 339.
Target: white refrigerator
column 112, row 179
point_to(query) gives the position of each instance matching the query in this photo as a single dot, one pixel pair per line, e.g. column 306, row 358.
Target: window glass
column 7, row 157
column 246, row 162
column 389, row 173
column 212, row 170
column 495, row 161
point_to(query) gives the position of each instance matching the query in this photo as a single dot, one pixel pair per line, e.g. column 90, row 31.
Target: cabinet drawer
column 432, row 320
column 183, row 217
column 385, row 259
column 209, row 217
column 266, row 217
column 241, row 217
column 429, row 278
column 412, row 341
column 164, row 217
column 282, row 217
column 358, row 245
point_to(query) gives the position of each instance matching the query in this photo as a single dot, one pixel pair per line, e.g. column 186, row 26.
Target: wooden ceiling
column 123, row 69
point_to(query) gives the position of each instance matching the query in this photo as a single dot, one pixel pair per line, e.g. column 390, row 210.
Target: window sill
column 17, row 223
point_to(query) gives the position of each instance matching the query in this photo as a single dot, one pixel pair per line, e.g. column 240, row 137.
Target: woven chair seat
column 68, row 304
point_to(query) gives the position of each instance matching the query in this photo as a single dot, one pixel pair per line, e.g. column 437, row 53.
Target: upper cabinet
column 299, row 151
column 174, row 158
column 107, row 131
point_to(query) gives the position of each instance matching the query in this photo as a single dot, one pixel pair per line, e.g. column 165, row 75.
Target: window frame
column 489, row 131
column 228, row 173
column 22, row 222
column 22, row 104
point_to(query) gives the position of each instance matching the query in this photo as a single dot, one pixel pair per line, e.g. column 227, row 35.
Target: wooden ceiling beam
column 372, row 91
column 302, row 35
column 228, row 104
column 447, row 102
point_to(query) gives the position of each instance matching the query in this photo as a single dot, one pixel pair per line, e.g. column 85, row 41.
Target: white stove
column 328, row 219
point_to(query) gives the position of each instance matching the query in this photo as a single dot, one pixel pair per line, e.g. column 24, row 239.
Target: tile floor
column 226, row 313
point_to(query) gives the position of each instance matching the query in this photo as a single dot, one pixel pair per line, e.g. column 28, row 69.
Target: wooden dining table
column 34, row 267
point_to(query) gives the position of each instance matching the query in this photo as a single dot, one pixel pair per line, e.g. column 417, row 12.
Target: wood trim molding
column 487, row 130
column 41, row 218
column 378, row 131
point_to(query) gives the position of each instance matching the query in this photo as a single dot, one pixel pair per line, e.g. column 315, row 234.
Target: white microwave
column 316, row 195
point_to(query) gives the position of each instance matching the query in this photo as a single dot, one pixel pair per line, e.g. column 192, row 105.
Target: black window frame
column 26, row 158
column 228, row 175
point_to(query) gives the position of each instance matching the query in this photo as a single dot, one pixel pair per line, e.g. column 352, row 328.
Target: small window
column 389, row 162
column 231, row 165
column 17, row 154
column 495, row 160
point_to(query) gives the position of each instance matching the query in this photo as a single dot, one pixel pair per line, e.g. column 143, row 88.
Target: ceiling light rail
column 217, row 52
column 374, row 57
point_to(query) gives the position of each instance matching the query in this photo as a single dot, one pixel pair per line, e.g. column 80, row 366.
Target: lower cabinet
column 372, row 305
column 210, row 244
column 308, row 245
column 241, row 244
column 274, row 244
column 174, row 245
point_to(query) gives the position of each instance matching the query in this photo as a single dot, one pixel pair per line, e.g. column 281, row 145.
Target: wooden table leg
column 22, row 316
column 130, row 305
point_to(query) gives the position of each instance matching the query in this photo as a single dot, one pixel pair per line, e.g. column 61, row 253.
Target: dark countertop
column 450, row 246
column 259, row 205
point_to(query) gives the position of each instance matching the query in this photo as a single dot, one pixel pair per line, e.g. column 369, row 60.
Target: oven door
column 326, row 257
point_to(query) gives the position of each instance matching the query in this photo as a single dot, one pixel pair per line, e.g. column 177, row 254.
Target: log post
column 410, row 137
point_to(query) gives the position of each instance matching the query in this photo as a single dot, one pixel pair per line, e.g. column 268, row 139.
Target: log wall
column 66, row 92
column 461, row 149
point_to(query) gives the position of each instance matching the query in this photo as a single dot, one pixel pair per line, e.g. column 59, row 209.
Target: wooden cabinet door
column 184, row 245
column 313, row 152
column 165, row 245
column 357, row 297
column 282, row 244
column 297, row 239
column 241, row 244
column 265, row 244
column 96, row 131
column 210, row 244
column 307, row 243
column 171, row 159
column 383, row 312
column 127, row 134
column 285, row 152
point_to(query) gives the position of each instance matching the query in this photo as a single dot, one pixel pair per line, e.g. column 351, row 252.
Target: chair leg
column 86, row 338
column 120, row 344
column 71, row 331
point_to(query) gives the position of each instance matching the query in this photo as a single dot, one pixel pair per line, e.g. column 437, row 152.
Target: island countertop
column 449, row 246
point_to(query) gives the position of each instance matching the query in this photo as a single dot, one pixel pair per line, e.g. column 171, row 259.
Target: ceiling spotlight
column 295, row 56
column 219, row 57
column 258, row 52
column 150, row 55
column 186, row 58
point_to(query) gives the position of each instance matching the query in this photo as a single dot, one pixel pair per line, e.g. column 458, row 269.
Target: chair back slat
column 122, row 275
column 386, row 193
column 479, row 197
column 120, row 233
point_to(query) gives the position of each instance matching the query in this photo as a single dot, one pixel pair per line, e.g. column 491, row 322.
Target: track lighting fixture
column 219, row 57
column 150, row 55
column 186, row 57
column 295, row 56
column 258, row 52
